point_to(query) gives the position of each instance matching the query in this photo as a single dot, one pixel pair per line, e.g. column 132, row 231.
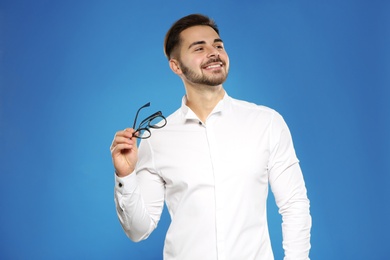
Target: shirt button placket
column 219, row 225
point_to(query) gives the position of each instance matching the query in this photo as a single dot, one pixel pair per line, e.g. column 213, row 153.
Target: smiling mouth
column 213, row 66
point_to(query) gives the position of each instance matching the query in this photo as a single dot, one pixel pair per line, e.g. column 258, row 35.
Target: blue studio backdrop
column 75, row 72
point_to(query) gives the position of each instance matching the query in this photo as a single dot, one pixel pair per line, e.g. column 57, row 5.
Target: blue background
column 74, row 72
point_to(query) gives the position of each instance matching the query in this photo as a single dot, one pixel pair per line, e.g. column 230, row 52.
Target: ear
column 175, row 67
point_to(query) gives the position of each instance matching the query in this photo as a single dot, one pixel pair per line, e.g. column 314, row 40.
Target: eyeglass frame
column 147, row 120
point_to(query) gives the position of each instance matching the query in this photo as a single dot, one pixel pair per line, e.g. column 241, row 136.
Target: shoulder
column 256, row 113
column 251, row 108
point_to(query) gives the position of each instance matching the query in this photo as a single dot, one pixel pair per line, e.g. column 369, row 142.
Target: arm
column 288, row 186
column 139, row 191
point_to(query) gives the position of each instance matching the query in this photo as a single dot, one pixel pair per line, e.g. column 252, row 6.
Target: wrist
column 122, row 175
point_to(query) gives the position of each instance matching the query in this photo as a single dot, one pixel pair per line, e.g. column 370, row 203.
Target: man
column 212, row 164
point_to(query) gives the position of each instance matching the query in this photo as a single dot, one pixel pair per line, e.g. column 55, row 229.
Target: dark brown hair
column 172, row 38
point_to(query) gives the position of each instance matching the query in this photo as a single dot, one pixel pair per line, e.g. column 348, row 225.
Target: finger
column 135, row 134
column 119, row 148
column 123, row 136
column 123, row 139
column 120, row 140
column 125, row 133
column 129, row 131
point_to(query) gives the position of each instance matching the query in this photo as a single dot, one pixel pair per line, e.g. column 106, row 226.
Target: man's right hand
column 124, row 152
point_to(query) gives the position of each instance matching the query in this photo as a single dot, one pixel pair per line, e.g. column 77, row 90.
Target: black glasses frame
column 147, row 123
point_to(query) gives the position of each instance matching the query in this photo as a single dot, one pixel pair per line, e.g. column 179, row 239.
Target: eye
column 199, row 49
column 219, row 47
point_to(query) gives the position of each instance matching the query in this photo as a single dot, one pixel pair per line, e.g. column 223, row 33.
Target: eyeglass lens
column 156, row 120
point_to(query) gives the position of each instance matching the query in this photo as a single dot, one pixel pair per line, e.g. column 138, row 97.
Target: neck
column 203, row 99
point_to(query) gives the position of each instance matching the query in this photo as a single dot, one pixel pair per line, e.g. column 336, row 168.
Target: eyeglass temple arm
column 136, row 115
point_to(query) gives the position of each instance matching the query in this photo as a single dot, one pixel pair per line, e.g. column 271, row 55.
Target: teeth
column 214, row 66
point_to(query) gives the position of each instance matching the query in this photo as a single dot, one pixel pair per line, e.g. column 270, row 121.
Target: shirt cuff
column 127, row 184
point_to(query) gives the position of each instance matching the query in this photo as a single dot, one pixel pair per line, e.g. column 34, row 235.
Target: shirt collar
column 219, row 108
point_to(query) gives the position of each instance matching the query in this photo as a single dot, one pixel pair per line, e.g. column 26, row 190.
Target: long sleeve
column 139, row 198
column 288, row 186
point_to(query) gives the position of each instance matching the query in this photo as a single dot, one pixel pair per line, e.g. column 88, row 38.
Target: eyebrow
column 203, row 42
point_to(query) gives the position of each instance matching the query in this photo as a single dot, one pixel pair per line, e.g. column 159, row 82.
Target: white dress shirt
column 214, row 178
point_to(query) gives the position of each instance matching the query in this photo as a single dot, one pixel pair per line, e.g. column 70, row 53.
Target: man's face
column 203, row 59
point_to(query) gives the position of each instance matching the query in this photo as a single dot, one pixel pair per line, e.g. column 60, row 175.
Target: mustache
column 213, row 60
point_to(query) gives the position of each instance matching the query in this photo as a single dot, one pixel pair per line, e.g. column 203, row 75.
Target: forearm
column 294, row 206
column 137, row 219
column 296, row 228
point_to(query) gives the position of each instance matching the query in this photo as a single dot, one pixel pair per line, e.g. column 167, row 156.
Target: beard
column 217, row 77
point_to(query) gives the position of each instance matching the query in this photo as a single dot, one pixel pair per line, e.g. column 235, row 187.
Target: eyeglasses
column 156, row 120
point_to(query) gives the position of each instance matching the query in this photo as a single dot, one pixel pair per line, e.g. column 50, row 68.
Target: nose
column 213, row 52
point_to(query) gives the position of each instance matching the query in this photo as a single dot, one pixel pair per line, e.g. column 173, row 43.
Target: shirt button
column 120, row 185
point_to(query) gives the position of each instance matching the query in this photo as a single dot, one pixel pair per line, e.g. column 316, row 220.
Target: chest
column 201, row 156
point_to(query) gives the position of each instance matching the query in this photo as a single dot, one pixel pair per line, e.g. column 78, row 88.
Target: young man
column 212, row 164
